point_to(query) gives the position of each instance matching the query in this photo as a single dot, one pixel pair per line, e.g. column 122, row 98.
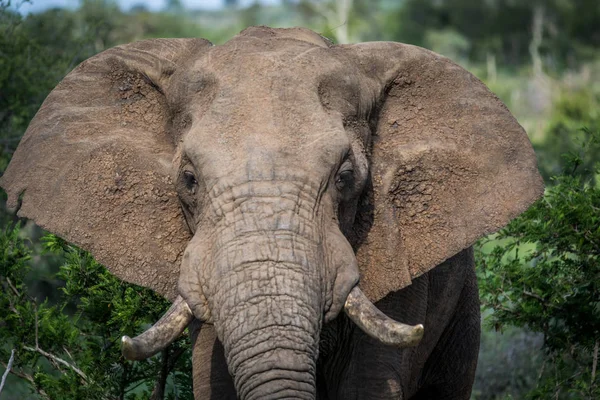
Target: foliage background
column 538, row 278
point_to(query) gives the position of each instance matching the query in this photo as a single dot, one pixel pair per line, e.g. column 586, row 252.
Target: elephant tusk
column 378, row 325
column 161, row 334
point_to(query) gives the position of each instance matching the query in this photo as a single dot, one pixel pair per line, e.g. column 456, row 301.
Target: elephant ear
column 94, row 164
column 449, row 164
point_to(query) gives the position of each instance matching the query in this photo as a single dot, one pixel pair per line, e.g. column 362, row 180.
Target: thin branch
column 54, row 359
column 10, row 363
column 56, row 366
column 586, row 235
column 69, row 354
column 535, row 296
column 58, row 360
column 540, row 298
column 11, row 305
column 542, row 370
column 141, row 380
column 12, row 308
column 158, row 392
column 537, row 29
column 14, row 289
column 29, row 379
column 15, row 373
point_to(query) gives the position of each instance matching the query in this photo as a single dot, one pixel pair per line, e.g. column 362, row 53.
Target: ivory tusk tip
column 410, row 337
column 127, row 348
column 414, row 336
column 160, row 335
column 417, row 334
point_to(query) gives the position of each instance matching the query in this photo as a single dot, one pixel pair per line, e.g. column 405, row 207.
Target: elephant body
column 446, row 301
column 354, row 366
column 275, row 187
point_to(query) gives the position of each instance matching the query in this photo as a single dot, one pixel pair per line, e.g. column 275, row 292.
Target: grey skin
column 269, row 183
column 352, row 365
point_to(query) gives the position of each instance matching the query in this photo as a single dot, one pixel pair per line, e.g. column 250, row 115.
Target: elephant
column 266, row 184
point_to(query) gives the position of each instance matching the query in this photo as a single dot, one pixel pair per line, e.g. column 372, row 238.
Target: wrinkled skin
column 354, row 366
column 261, row 179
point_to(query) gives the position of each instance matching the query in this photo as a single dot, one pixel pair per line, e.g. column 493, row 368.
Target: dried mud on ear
column 142, row 106
column 411, row 191
column 95, row 163
column 449, row 164
column 112, row 197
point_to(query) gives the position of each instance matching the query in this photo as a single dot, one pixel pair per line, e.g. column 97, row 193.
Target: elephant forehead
column 262, row 138
column 243, row 60
column 268, row 106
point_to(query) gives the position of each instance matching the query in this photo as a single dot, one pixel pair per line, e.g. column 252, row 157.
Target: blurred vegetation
column 544, row 274
column 541, row 57
column 69, row 348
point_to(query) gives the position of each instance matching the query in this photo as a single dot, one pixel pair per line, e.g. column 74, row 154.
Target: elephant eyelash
column 190, row 181
column 345, row 175
column 344, row 179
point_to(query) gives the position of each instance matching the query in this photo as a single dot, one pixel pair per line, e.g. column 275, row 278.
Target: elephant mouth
column 357, row 307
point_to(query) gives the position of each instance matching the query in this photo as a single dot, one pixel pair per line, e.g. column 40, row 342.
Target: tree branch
column 12, row 359
column 540, row 298
column 537, row 29
column 11, row 305
column 52, row 357
column 168, row 363
column 69, row 354
column 30, row 379
column 14, row 289
column 158, row 393
column 535, row 296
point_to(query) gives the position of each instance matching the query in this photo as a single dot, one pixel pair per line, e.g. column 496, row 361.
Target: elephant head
column 255, row 183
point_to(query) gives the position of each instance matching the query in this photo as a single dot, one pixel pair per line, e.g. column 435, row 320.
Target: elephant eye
column 190, row 181
column 344, row 179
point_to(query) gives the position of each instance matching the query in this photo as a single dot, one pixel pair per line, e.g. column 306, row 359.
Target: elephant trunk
column 268, row 304
column 269, row 323
column 271, row 359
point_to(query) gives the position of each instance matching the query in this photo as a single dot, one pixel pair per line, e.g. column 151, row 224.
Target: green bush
column 545, row 277
column 71, row 349
column 508, row 364
column 572, row 110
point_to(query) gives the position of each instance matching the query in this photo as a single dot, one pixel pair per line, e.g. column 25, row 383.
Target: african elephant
column 266, row 184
